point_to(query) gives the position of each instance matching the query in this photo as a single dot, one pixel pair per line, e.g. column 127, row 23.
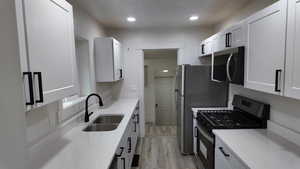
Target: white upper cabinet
column 292, row 74
column 234, row 36
column 108, row 61
column 265, row 53
column 50, row 50
column 206, row 47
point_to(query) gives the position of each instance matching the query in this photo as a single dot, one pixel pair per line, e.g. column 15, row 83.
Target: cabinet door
column 266, row 33
column 219, row 42
column 292, row 83
column 51, row 48
column 208, row 47
column 117, row 62
column 237, row 37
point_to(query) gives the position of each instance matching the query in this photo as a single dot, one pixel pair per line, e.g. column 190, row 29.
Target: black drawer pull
column 124, row 163
column 129, row 145
column 223, row 152
column 122, row 150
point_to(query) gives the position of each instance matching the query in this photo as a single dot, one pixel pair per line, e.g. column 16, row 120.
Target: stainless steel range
column 246, row 114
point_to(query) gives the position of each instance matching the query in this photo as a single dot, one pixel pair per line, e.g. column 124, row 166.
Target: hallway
column 159, row 150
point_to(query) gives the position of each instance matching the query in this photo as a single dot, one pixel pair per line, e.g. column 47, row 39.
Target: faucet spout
column 87, row 114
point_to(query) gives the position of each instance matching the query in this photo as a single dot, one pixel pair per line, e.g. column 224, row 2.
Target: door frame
column 139, row 55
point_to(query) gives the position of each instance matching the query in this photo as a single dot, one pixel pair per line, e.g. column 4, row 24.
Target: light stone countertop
column 85, row 150
column 261, row 148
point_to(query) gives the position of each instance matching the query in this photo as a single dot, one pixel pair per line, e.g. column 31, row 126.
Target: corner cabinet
column 292, row 74
column 108, row 60
column 47, row 50
column 266, row 36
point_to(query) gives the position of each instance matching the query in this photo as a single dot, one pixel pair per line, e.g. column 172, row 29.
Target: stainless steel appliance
column 228, row 65
column 246, row 114
column 194, row 88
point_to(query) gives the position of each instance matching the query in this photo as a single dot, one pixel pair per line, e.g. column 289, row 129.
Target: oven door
column 228, row 66
column 205, row 148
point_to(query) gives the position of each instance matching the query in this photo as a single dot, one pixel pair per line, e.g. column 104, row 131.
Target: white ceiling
column 160, row 13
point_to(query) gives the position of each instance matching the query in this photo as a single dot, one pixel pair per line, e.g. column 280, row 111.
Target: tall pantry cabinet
column 47, row 46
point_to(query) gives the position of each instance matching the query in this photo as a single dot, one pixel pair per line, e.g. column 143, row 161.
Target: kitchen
column 55, row 53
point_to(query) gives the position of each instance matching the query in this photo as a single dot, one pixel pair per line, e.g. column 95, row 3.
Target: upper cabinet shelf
column 108, row 60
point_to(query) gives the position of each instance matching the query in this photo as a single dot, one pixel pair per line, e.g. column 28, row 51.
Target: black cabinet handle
column 122, row 150
column 134, row 126
column 121, row 73
column 227, row 39
column 40, row 84
column 278, row 71
column 30, row 86
column 202, row 49
column 129, row 145
column 124, row 163
column 223, row 152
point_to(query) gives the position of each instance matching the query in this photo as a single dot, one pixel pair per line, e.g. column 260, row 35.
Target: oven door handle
column 228, row 66
column 206, row 136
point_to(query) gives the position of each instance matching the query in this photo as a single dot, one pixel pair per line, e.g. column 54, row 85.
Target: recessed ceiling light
column 165, row 71
column 194, row 18
column 131, row 19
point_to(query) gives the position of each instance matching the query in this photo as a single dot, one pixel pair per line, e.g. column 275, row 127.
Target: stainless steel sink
column 100, row 127
column 108, row 119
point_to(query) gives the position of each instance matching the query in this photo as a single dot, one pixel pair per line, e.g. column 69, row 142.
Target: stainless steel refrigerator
column 194, row 88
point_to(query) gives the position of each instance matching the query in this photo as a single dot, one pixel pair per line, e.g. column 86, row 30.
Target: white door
column 266, row 33
column 292, row 82
column 165, row 115
column 51, row 48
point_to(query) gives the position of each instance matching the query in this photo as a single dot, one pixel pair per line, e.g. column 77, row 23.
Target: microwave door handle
column 227, row 67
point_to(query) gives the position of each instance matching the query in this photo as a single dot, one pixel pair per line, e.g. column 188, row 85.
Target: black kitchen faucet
column 87, row 114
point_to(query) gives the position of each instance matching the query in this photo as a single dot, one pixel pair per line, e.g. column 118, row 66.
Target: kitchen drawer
column 225, row 158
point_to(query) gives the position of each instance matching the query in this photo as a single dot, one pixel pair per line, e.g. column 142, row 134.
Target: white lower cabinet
column 225, row 158
column 126, row 150
column 266, row 37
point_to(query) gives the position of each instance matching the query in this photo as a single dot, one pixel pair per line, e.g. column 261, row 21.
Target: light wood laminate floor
column 159, row 150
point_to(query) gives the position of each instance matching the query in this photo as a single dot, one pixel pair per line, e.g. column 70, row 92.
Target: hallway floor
column 159, row 150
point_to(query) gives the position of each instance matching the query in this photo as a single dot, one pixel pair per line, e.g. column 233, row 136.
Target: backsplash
column 284, row 111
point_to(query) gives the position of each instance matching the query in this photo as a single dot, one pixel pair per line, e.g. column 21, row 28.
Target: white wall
column 42, row 121
column 155, row 64
column 133, row 41
column 12, row 108
column 284, row 111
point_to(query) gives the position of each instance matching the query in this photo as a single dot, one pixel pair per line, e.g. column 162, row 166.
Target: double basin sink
column 104, row 123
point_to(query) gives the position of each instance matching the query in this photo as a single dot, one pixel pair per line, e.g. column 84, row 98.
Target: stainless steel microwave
column 228, row 66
